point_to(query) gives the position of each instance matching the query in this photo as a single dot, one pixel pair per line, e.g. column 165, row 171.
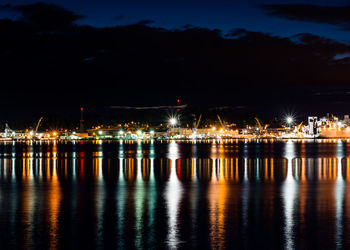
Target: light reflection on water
column 289, row 194
column 173, row 193
column 150, row 195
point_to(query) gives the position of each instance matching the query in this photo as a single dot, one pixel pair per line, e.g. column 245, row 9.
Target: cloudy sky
column 221, row 14
column 262, row 56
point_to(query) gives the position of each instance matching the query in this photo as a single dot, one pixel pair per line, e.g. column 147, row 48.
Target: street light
column 172, row 121
column 289, row 120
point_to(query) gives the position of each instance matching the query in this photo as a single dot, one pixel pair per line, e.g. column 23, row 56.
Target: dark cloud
column 139, row 65
column 44, row 16
column 307, row 38
column 335, row 15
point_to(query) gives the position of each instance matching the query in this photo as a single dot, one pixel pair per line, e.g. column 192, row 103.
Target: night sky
column 221, row 14
column 261, row 57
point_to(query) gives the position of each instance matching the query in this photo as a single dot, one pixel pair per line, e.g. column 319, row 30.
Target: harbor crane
column 197, row 123
column 221, row 122
column 261, row 128
column 38, row 124
column 298, row 128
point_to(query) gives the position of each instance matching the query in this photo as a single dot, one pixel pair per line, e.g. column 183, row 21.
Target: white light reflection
column 152, row 156
column 74, row 165
column 289, row 195
column 13, row 160
column 195, row 156
column 139, row 197
column 13, row 165
column 121, row 196
column 121, row 160
column 339, row 196
column 139, row 156
column 173, row 194
column 194, row 196
column 152, row 193
column 74, row 161
column 99, row 194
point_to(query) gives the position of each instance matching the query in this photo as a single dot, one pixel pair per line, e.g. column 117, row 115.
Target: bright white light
column 100, row 132
column 289, row 119
column 173, row 121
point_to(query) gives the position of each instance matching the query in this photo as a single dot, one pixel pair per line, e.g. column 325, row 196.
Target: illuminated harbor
column 323, row 127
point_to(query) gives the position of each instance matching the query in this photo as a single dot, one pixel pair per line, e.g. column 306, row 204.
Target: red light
column 178, row 100
column 81, row 109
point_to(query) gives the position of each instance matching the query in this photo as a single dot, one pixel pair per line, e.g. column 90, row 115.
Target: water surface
column 234, row 194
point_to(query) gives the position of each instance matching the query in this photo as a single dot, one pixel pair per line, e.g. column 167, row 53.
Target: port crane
column 197, row 123
column 38, row 124
column 298, row 128
column 261, row 128
column 221, row 122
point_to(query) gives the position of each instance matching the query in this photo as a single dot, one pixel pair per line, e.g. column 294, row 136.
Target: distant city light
column 100, row 132
column 173, row 121
column 289, row 120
